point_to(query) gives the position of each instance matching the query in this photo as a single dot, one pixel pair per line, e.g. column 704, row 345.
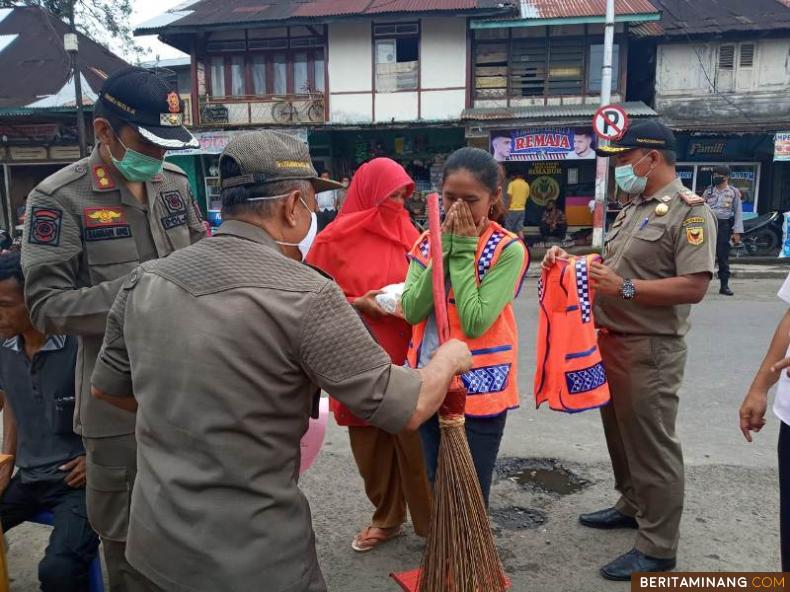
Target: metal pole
column 602, row 164
column 8, row 217
column 75, row 72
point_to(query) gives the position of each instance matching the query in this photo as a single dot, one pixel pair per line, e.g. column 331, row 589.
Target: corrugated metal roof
column 645, row 30
column 710, row 17
column 544, row 9
column 36, row 66
column 222, row 12
column 633, row 108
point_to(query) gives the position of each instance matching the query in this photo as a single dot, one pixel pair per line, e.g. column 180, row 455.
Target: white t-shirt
column 782, row 400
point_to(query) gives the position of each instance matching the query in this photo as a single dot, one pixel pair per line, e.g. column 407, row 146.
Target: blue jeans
column 72, row 543
column 484, row 435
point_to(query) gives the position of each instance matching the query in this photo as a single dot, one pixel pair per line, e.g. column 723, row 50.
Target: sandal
column 367, row 540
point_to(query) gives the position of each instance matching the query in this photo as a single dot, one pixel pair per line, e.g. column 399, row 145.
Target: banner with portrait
column 551, row 143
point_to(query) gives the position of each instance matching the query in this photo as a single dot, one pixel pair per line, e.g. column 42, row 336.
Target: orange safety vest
column 492, row 383
column 570, row 374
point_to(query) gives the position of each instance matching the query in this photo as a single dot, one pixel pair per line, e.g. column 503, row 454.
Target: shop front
column 422, row 151
column 557, row 162
column 749, row 156
column 202, row 167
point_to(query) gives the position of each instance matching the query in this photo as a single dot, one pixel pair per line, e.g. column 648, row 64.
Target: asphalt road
column 730, row 522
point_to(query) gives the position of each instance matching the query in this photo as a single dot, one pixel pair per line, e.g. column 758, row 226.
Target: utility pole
column 601, row 163
column 71, row 43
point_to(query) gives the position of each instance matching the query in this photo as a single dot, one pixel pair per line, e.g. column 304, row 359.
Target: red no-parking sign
column 610, row 122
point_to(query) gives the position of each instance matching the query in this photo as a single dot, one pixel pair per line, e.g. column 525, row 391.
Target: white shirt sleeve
column 784, row 291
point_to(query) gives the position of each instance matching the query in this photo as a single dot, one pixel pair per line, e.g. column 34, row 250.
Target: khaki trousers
column 645, row 374
column 393, row 469
column 111, row 470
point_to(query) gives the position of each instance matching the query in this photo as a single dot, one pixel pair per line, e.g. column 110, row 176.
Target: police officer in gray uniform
column 87, row 227
column 725, row 201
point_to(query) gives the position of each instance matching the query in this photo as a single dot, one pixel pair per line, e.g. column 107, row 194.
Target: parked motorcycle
column 762, row 236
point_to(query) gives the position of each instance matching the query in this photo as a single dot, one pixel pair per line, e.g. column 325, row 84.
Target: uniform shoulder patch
column 694, row 227
column 691, row 198
column 692, row 221
column 169, row 166
column 45, row 226
column 63, row 177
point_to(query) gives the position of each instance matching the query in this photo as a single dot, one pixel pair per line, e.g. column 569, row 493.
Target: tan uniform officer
column 88, row 226
column 216, row 506
column 659, row 259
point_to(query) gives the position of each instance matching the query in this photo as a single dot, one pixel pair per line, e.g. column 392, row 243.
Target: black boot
column 622, row 568
column 608, row 519
column 725, row 289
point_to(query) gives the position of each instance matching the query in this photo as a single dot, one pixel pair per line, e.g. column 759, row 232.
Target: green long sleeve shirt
column 478, row 306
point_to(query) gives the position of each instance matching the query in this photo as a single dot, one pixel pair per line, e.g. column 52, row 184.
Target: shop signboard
column 551, row 143
column 546, row 183
column 782, row 146
column 215, row 142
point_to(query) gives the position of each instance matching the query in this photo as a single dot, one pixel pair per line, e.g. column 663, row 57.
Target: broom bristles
column 460, row 555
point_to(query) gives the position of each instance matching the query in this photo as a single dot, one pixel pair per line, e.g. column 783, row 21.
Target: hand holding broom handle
column 455, row 402
column 437, row 265
column 460, row 554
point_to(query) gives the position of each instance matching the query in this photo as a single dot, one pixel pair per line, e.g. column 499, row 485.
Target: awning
column 547, row 114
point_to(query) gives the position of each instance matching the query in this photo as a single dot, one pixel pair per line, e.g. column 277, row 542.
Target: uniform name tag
column 105, row 224
column 107, row 233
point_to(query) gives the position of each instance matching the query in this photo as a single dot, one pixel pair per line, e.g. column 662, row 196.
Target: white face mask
column 307, row 242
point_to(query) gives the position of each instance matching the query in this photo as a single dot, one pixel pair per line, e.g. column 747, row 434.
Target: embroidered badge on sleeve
column 45, row 226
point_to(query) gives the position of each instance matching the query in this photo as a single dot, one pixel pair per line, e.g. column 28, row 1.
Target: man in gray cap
column 216, row 505
column 87, row 227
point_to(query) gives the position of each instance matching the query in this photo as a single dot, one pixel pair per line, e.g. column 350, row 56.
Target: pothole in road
column 516, row 518
column 547, row 475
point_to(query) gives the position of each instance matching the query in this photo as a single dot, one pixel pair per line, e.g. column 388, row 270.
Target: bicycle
column 287, row 111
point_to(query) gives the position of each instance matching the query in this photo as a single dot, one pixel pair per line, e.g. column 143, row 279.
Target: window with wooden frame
column 735, row 67
column 277, row 62
column 530, row 63
column 397, row 56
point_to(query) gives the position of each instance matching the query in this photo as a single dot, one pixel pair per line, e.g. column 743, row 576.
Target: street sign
column 610, row 122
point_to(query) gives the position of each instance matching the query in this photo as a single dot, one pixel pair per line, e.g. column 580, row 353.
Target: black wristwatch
column 628, row 290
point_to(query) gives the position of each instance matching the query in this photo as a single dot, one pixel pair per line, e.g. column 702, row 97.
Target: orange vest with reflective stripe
column 492, row 383
column 569, row 374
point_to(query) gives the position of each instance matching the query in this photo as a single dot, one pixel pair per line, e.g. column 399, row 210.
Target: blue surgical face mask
column 136, row 167
column 628, row 180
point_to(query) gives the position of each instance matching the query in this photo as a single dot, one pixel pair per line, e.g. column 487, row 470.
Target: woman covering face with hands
column 485, row 265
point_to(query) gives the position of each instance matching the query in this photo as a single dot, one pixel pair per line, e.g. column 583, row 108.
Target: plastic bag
column 389, row 299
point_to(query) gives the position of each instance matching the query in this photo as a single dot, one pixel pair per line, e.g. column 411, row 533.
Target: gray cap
column 267, row 157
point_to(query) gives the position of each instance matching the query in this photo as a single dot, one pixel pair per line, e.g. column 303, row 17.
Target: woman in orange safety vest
column 485, row 265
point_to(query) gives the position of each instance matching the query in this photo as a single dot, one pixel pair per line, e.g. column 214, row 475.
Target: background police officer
column 659, row 259
column 725, row 201
column 87, row 227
